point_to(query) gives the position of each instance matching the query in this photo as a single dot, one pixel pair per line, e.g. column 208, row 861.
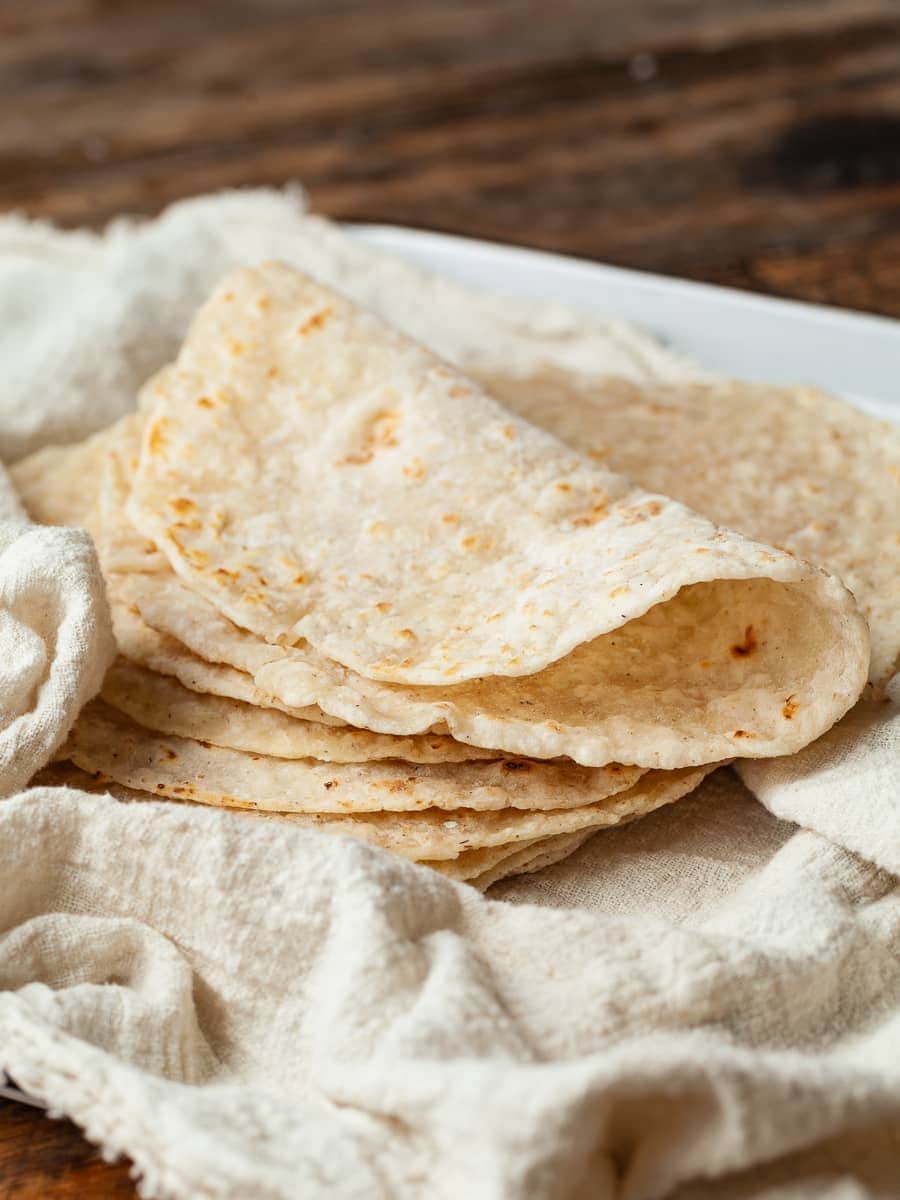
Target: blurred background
column 751, row 143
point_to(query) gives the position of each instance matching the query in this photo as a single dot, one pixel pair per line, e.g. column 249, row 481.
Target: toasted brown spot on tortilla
column 789, row 707
column 391, row 785
column 182, row 505
column 450, row 519
column 204, row 402
column 747, row 647
column 407, row 633
column 384, row 427
column 300, row 578
column 330, row 783
column 170, row 753
column 591, row 517
column 316, row 321
column 355, row 460
column 415, row 469
column 564, row 487
column 743, row 733
column 157, row 439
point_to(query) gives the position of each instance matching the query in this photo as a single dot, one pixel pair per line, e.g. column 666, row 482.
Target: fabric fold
column 55, row 637
column 339, row 1038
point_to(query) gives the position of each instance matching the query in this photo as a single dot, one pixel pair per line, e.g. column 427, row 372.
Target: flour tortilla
column 480, row 867
column 696, row 645
column 59, row 485
column 472, row 863
column 148, row 648
column 65, row 485
column 533, row 858
column 161, row 703
column 430, row 834
column 710, row 674
column 790, row 466
column 696, row 706
column 105, row 740
column 315, row 475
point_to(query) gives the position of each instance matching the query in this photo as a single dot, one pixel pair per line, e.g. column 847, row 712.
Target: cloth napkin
column 703, row 1004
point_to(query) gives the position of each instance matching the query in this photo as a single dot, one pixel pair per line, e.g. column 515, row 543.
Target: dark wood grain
column 755, row 143
column 751, row 143
column 40, row 1158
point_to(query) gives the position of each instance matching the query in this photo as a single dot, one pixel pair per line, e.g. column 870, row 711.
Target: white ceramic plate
column 733, row 333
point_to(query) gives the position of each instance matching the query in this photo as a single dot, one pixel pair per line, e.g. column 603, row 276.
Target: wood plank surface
column 751, row 142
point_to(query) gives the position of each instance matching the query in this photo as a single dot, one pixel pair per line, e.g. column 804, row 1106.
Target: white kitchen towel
column 55, row 637
column 704, row 1004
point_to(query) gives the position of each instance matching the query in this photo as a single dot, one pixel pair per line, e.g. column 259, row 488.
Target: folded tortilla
column 380, row 539
column 790, row 466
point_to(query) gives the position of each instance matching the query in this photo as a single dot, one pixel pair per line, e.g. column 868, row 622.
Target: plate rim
column 767, row 339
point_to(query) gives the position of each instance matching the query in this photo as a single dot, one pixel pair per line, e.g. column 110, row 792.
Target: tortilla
column 790, row 466
column 544, row 722
column 503, row 714
column 473, row 865
column 480, row 867
column 105, row 740
column 533, row 858
column 161, row 703
column 59, row 485
column 430, row 834
column 147, row 647
column 264, row 445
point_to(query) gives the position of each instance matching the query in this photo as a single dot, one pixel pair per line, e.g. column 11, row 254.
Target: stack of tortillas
column 350, row 590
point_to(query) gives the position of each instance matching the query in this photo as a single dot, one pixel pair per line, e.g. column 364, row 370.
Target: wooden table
column 753, row 143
